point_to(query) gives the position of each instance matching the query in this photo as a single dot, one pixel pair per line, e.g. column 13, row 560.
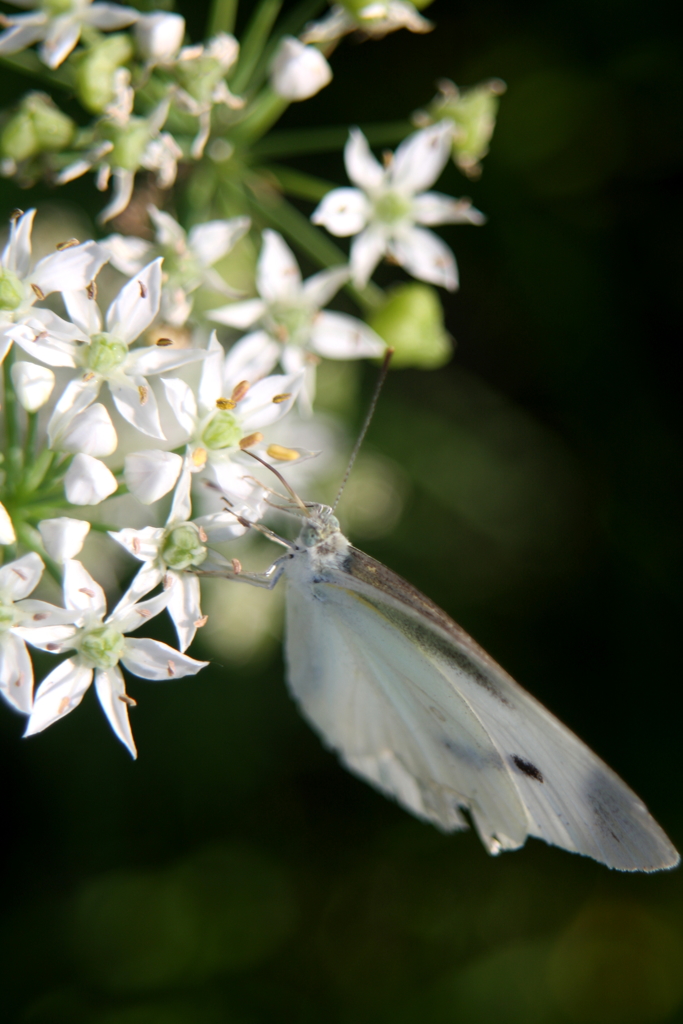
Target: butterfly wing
column 413, row 705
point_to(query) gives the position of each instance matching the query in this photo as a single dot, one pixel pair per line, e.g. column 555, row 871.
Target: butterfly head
column 320, row 525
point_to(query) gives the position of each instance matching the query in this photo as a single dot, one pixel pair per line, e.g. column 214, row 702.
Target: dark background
column 236, row 872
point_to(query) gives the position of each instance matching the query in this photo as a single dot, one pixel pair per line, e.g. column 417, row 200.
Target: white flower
column 159, row 36
column 40, row 332
column 33, row 384
column 375, row 20
column 298, row 71
column 223, row 420
column 63, row 537
column 88, row 481
column 7, row 534
column 200, row 72
column 21, row 620
column 104, row 355
column 292, row 328
column 58, row 24
column 188, row 258
column 170, row 554
column 388, row 204
column 101, row 644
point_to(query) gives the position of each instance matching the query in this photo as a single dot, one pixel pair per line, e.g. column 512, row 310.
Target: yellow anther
column 250, row 440
column 278, row 399
column 225, row 403
column 143, row 393
column 69, row 244
column 38, row 291
column 277, row 451
column 240, row 390
column 91, row 290
column 199, row 457
column 163, row 342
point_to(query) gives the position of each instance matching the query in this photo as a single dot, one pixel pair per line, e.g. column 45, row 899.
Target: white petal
column 76, row 397
column 151, row 474
column 329, row 29
column 366, row 252
column 110, row 16
column 58, row 694
column 184, row 606
column 361, row 166
column 181, row 506
column 435, row 208
column 278, row 277
column 223, row 526
column 36, row 342
column 143, row 544
column 258, row 409
column 149, row 359
column 19, row 578
column 154, row 660
column 130, row 613
column 56, row 639
column 33, row 384
column 211, row 382
column 81, row 592
column 111, row 693
column 319, row 289
column 88, row 481
column 159, row 35
column 213, row 240
column 168, row 231
column 420, row 159
column 83, row 310
column 91, row 432
column 7, row 534
column 137, row 404
column 20, row 36
column 121, row 195
column 16, row 673
column 180, row 397
column 239, row 314
column 128, row 253
column 136, row 305
column 339, row 336
column 251, row 358
column 17, row 254
column 425, row 256
column 63, row 537
column 149, row 577
column 298, row 71
column 69, row 269
column 60, row 40
column 343, row 211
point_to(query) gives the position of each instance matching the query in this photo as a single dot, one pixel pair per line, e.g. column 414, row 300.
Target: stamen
column 199, row 457
column 250, row 440
column 125, row 699
column 91, row 290
column 225, row 403
column 52, row 647
column 170, row 667
column 202, row 535
column 201, row 622
column 167, row 582
column 136, row 545
column 15, row 215
column 143, row 289
column 69, row 244
column 236, row 566
column 84, row 590
column 279, row 399
column 63, row 705
column 19, row 573
column 38, row 291
column 163, row 342
column 88, row 376
column 39, row 616
column 143, row 393
column 282, row 454
column 144, row 613
column 240, row 390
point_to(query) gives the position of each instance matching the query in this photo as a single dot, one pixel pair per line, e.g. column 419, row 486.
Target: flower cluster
column 153, row 408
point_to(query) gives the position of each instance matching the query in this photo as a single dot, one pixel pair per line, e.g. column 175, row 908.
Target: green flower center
column 7, row 616
column 102, row 646
column 129, row 142
column 57, row 7
column 222, row 430
column 183, row 548
column 11, row 290
column 290, row 325
column 391, row 207
column 105, row 353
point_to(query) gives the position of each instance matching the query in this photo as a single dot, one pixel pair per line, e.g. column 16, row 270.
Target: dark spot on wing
column 527, row 768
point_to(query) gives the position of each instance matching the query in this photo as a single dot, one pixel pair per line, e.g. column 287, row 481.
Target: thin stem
column 286, row 218
column 267, row 108
column 31, row 539
column 299, row 141
column 28, row 64
column 300, row 185
column 31, row 442
column 222, row 17
column 12, row 426
column 253, row 41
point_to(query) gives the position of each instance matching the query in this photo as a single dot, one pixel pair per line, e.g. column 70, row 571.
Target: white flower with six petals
column 58, row 24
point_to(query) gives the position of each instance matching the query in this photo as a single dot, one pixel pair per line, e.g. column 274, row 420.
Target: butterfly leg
column 266, row 580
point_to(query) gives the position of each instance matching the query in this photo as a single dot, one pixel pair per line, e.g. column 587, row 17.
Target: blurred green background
column 236, row 873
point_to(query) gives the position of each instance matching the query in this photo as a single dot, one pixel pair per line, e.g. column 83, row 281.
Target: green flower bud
column 222, row 431
column 411, row 322
column 129, row 142
column 354, row 7
column 103, row 646
column 95, row 71
column 183, row 548
column 473, row 112
column 105, row 353
column 38, row 126
column 11, row 290
column 200, row 77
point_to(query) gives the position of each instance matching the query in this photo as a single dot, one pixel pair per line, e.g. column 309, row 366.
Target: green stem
column 12, row 426
column 267, row 108
column 222, row 17
column 31, row 442
column 28, row 64
column 300, row 185
column 286, row 218
column 31, row 539
column 36, row 471
column 253, row 42
column 299, row 141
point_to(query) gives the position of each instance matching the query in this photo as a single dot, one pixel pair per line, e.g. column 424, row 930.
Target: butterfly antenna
column 290, row 490
column 368, row 419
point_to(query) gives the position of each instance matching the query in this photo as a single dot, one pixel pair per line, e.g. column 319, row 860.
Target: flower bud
column 37, row 126
column 222, row 431
column 298, row 71
column 159, row 36
column 411, row 322
column 33, row 383
column 95, row 72
column 357, row 7
column 473, row 113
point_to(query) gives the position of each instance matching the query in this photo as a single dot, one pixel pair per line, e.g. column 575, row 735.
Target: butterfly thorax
column 321, row 544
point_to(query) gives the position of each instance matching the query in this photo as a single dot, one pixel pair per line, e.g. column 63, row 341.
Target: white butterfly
column 415, row 707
